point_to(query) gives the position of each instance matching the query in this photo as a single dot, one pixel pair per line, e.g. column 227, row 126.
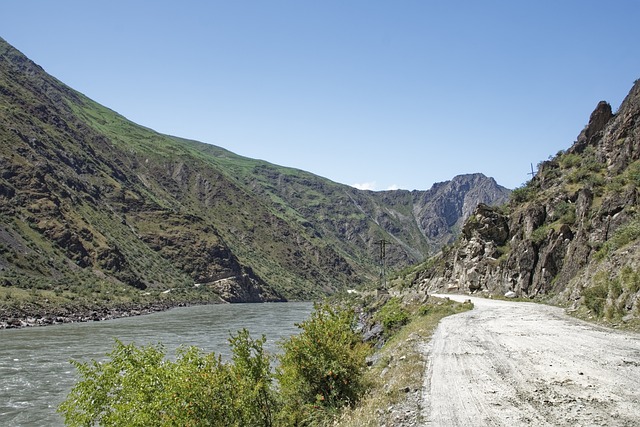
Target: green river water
column 35, row 373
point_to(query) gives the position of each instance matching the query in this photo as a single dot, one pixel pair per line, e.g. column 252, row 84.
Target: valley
column 97, row 212
column 101, row 218
column 454, row 303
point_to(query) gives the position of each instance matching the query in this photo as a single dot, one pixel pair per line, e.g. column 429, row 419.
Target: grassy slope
column 98, row 199
column 295, row 202
column 136, row 178
column 397, row 373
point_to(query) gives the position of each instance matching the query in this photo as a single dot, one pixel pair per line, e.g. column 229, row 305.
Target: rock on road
column 524, row 364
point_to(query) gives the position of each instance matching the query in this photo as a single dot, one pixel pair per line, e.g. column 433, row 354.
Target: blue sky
column 383, row 94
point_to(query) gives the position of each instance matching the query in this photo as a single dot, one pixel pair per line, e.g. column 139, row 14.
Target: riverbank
column 21, row 308
column 13, row 318
column 34, row 362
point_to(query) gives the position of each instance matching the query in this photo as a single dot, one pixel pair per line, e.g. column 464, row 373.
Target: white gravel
column 523, row 364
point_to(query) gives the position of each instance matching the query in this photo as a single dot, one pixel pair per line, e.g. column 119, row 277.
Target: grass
column 523, row 194
column 607, row 296
column 624, row 235
column 392, row 315
column 540, row 234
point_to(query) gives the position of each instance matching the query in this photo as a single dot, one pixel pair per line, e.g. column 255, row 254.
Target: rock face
column 572, row 229
column 447, row 205
column 90, row 201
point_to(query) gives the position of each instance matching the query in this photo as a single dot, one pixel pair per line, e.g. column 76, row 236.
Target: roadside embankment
column 397, row 367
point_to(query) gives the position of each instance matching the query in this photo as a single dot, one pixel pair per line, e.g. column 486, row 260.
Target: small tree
column 251, row 370
column 321, row 369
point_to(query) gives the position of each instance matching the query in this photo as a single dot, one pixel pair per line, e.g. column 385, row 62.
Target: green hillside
column 97, row 210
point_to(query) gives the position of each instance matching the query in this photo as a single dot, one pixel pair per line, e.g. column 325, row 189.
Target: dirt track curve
column 523, row 364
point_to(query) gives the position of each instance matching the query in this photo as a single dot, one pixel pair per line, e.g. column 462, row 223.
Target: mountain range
column 96, row 210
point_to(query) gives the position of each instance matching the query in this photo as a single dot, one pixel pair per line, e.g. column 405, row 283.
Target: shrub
column 137, row 386
column 622, row 236
column 570, row 161
column 565, row 212
column 445, row 307
column 606, row 289
column 539, row 234
column 630, row 279
column 522, row 194
column 392, row 315
column 251, row 369
column 633, row 172
column 595, row 298
column 321, row 369
column 579, row 175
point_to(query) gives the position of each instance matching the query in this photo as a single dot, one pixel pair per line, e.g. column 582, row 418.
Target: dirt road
column 523, row 364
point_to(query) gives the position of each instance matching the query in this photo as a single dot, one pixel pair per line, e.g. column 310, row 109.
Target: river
column 35, row 373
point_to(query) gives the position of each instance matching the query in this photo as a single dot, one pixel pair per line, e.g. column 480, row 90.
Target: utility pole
column 383, row 255
column 531, row 173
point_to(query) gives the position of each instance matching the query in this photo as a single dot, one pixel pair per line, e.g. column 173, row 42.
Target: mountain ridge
column 97, row 206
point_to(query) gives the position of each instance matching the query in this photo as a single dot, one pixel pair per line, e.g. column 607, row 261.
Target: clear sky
column 379, row 94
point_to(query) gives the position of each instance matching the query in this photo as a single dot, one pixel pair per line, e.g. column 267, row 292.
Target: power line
column 383, row 255
column 531, row 173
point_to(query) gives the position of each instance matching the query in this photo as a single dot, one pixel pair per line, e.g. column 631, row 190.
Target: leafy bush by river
column 321, row 377
column 319, row 371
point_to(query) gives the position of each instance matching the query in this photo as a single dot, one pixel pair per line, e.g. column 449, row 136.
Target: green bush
column 251, row 369
column 570, row 161
column 539, row 234
column 444, row 307
column 522, row 194
column 320, row 371
column 633, row 173
column 321, row 368
column 622, row 236
column 392, row 315
column 579, row 175
column 565, row 212
column 607, row 297
column 137, row 386
column 630, row 279
column 595, row 298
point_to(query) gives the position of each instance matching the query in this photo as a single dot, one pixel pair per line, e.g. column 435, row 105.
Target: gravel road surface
column 524, row 364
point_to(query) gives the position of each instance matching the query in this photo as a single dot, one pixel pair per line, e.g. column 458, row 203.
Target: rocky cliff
column 95, row 208
column 571, row 233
